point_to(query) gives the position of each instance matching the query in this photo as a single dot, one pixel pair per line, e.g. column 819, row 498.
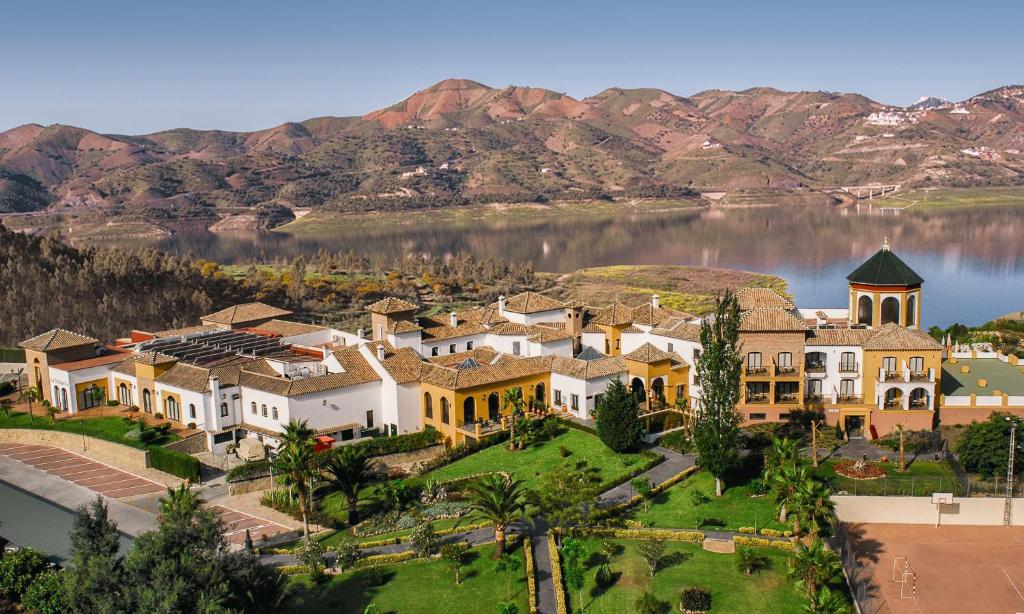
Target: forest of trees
column 107, row 292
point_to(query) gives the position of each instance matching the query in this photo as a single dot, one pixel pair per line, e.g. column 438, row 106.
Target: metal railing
column 786, row 371
column 815, row 367
column 757, row 370
column 761, row 397
column 849, row 399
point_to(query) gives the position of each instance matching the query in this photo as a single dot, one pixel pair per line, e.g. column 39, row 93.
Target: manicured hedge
column 174, row 463
column 12, row 355
column 409, row 442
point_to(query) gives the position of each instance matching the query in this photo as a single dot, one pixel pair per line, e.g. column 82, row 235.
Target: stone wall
column 920, row 510
column 405, row 461
column 118, row 454
column 240, row 488
column 194, row 444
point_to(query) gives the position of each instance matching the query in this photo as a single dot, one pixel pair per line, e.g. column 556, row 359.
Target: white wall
column 553, row 315
column 920, row 510
column 631, row 341
column 569, row 386
column 594, row 340
column 67, row 380
column 320, row 410
column 444, row 346
column 832, row 377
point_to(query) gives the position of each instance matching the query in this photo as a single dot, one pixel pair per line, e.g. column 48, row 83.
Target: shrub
column 312, row 556
column 112, row 403
column 760, row 542
column 371, row 576
column 564, row 451
column 158, row 416
column 249, row 471
column 174, row 463
column 424, row 539
column 984, row 447
column 647, row 603
column 19, row 569
column 678, row 441
column 408, row 442
column 46, row 594
column 699, row 497
column 695, row 600
column 191, row 425
column 604, row 577
column 758, row 487
column 282, row 502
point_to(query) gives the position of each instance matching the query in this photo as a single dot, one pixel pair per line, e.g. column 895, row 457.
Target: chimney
column 453, row 319
column 380, row 352
column 655, row 301
column 501, row 304
column 360, row 332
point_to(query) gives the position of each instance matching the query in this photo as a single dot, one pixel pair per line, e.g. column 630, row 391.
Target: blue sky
column 134, row 67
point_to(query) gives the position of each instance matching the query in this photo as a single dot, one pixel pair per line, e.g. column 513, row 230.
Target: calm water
column 972, row 260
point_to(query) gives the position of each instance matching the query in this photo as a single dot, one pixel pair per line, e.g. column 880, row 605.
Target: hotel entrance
column 853, row 426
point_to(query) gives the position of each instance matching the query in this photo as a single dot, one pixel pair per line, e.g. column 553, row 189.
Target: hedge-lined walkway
column 673, row 464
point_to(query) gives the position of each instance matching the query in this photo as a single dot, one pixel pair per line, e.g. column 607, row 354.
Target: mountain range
column 460, row 141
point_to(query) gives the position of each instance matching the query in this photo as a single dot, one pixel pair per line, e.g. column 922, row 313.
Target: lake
column 972, row 260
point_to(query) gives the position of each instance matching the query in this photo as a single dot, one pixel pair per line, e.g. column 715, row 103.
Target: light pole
column 1013, row 444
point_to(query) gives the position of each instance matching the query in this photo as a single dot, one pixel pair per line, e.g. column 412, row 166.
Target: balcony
column 757, row 397
column 893, row 404
column 849, row 367
column 814, row 399
column 891, row 376
column 757, row 371
column 920, row 376
column 787, row 398
column 849, row 399
column 815, row 367
column 481, row 429
column 919, row 403
column 787, row 371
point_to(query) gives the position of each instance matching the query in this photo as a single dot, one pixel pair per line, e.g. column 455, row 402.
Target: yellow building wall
column 39, row 373
column 876, row 304
column 873, row 362
column 613, row 338
column 648, row 372
column 99, row 383
column 457, row 398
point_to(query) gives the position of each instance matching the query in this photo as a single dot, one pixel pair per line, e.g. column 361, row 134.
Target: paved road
column 95, row 476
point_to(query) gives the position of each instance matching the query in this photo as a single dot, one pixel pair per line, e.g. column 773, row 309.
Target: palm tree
column 32, row 393
column 347, row 472
column 782, row 453
column 826, row 601
column 513, row 398
column 497, row 499
column 298, row 466
column 814, row 566
column 180, row 504
column 815, row 508
column 784, row 485
column 749, row 560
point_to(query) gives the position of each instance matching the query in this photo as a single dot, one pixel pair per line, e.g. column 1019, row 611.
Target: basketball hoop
column 938, row 500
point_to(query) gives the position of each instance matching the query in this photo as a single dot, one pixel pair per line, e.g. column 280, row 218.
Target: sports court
column 96, row 476
column 236, row 522
column 951, row 569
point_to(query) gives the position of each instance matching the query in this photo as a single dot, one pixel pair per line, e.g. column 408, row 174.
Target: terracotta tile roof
column 482, row 315
column 592, row 328
column 631, row 329
column 483, row 355
column 893, row 337
column 403, row 326
column 615, row 314
column 652, row 316
column 188, row 330
column 327, row 430
column 288, row 329
column 127, row 367
column 357, row 371
column 391, row 305
column 509, row 328
column 838, row 336
column 252, row 428
column 574, row 303
column 88, row 363
column 762, row 298
column 678, row 328
column 403, row 364
column 246, row 312
column 546, row 334
column 57, row 339
column 532, row 302
column 197, row 379
column 588, row 369
column 771, row 320
column 152, row 358
column 504, row 368
column 447, row 331
column 647, row 353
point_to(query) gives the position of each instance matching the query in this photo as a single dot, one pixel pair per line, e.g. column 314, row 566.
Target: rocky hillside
column 460, row 141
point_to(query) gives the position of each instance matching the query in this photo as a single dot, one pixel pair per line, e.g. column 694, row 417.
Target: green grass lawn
column 539, row 458
column 675, row 508
column 953, row 198
column 425, row 586
column 687, row 565
column 110, row 428
column 922, row 478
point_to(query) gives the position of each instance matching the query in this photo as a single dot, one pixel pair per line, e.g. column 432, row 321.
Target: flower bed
column 531, row 574
column 859, row 470
column 556, row 576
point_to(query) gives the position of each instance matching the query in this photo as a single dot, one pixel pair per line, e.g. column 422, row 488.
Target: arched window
column 223, row 410
column 147, row 401
column 658, row 388
column 864, row 309
column 171, row 404
column 254, row 408
column 912, row 310
column 56, row 396
column 263, row 410
column 123, row 395
column 538, row 392
column 785, row 359
column 754, row 360
column 428, row 405
column 445, row 410
column 638, row 389
column 918, row 398
column 64, row 398
column 816, row 361
column 273, row 413
column 469, row 410
column 890, row 310
column 848, row 362
column 493, row 407
column 191, row 411
column 893, row 398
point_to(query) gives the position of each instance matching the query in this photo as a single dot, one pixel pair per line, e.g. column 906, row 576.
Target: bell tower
column 885, row 290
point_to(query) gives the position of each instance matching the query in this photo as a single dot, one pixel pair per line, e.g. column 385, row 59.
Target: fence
column 896, row 486
column 973, row 486
column 859, row 574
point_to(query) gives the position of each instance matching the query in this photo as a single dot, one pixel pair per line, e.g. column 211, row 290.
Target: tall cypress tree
column 95, row 578
column 716, row 433
column 618, row 424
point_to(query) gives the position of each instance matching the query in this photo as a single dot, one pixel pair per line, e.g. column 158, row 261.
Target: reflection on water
column 972, row 260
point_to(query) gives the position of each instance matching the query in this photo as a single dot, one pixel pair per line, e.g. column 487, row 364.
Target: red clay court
column 957, row 568
column 104, row 479
column 237, row 522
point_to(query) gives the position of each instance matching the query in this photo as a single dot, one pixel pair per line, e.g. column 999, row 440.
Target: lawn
column 539, row 458
column 687, row 565
column 677, row 508
column 921, row 479
column 110, row 428
column 952, row 198
column 425, row 586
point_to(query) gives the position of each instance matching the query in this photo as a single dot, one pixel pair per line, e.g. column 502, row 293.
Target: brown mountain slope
column 461, row 140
